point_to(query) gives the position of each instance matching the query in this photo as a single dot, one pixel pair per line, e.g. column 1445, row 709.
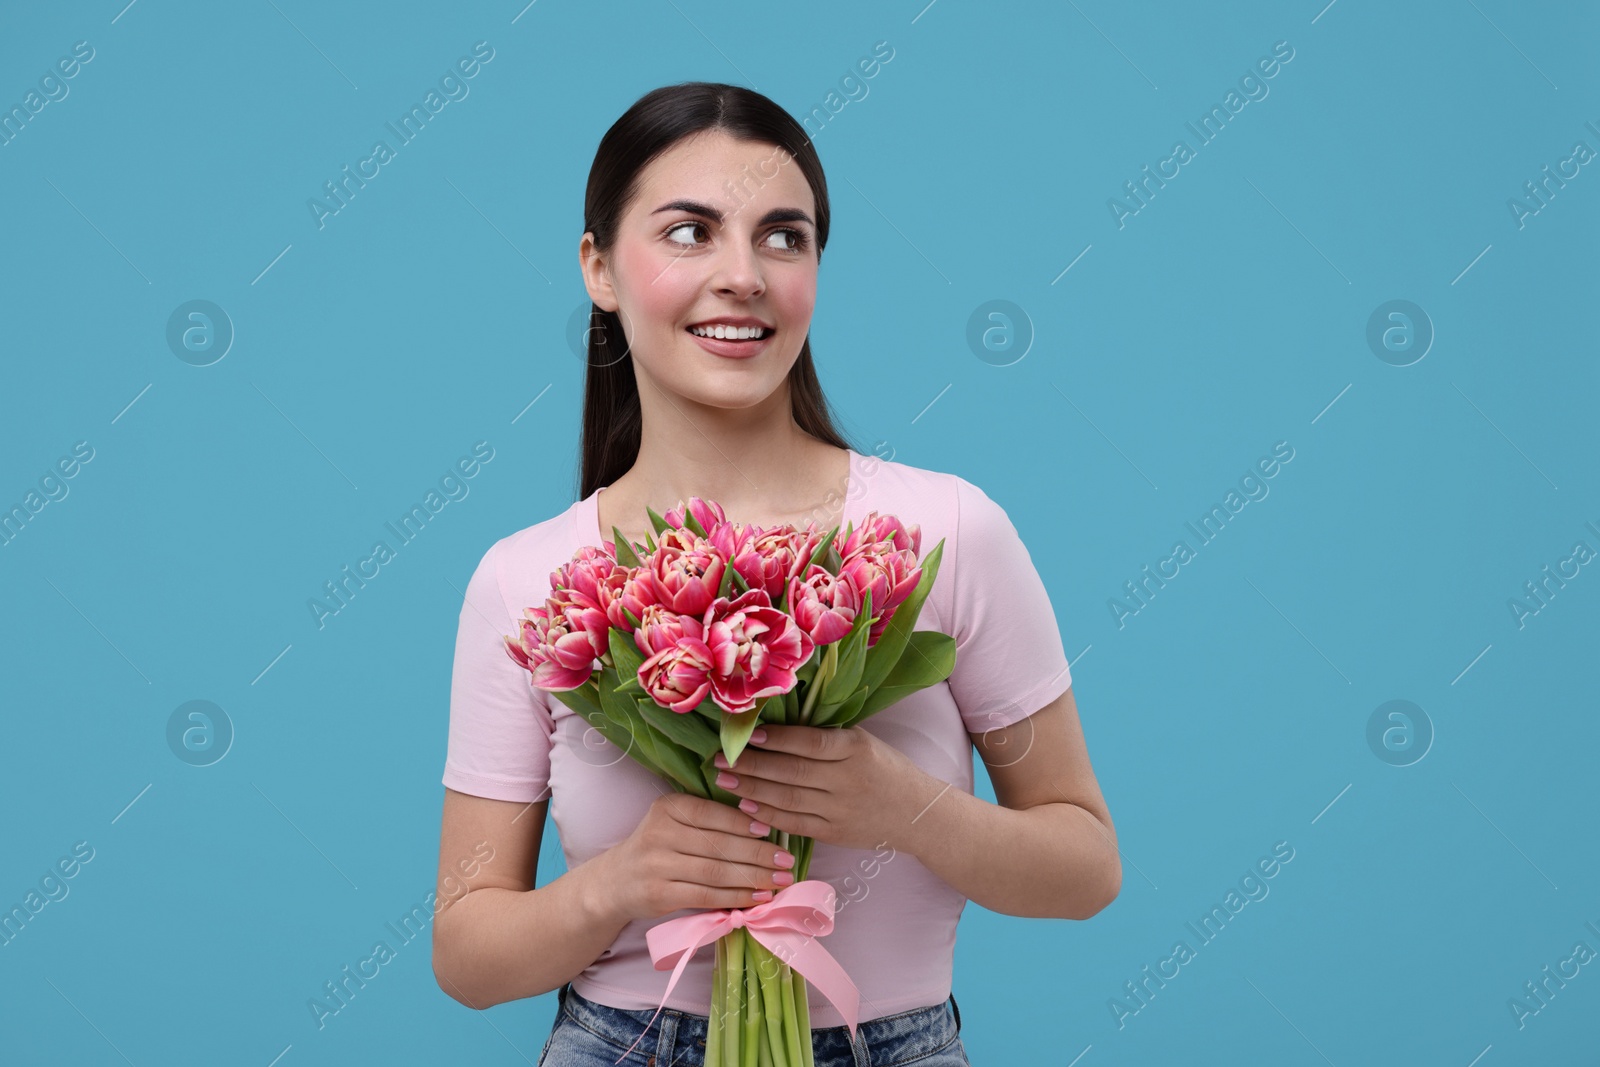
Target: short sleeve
column 1009, row 657
column 500, row 726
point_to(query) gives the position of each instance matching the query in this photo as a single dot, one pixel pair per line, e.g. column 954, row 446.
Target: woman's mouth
column 737, row 342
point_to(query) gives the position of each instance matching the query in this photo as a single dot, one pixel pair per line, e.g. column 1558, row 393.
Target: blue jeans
column 587, row 1034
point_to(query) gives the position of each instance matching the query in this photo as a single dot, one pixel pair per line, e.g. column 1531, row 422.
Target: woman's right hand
column 691, row 852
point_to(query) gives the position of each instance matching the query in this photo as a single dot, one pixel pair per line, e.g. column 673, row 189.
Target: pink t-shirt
column 895, row 920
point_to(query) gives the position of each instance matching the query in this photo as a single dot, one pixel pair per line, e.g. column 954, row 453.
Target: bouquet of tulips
column 678, row 648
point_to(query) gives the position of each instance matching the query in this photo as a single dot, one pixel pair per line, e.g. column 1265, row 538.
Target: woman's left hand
column 840, row 786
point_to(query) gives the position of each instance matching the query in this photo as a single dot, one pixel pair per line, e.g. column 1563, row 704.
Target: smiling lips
column 736, row 338
column 732, row 329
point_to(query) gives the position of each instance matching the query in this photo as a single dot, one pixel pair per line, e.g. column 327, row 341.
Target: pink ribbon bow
column 788, row 925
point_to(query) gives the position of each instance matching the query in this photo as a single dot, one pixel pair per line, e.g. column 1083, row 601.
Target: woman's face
column 719, row 230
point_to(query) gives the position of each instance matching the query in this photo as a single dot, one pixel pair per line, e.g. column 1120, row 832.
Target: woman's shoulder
column 918, row 494
column 521, row 562
column 885, row 478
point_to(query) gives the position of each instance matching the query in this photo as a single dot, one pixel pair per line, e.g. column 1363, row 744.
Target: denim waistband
column 911, row 1033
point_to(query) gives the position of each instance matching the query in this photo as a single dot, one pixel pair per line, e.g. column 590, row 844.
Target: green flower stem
column 750, row 1013
column 802, row 1016
column 769, row 974
column 764, row 1051
column 733, row 983
column 718, row 1010
column 797, row 1054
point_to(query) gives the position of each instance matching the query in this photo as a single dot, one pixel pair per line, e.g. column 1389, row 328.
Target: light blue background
column 1229, row 314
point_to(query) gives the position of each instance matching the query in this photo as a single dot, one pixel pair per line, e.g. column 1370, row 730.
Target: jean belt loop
column 957, row 1009
column 667, row 1038
column 860, row 1053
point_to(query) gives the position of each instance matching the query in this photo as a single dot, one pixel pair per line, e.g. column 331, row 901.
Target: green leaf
column 648, row 747
column 625, row 654
column 620, row 733
column 852, row 657
column 827, row 666
column 710, row 771
column 683, row 767
column 821, row 551
column 928, row 659
column 711, row 710
column 693, row 523
column 625, row 553
column 688, row 730
column 728, row 575
column 661, row 524
column 736, row 729
column 882, row 657
column 842, row 714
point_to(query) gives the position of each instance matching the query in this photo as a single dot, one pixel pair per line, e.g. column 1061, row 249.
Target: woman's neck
column 771, row 475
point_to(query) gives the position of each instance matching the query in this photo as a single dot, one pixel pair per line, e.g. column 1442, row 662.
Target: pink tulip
column 611, row 593
column 891, row 576
column 587, row 572
column 823, row 605
column 876, row 528
column 686, row 572
column 677, row 677
column 637, row 593
column 779, row 554
column 755, row 649
column 707, row 513
column 557, row 654
column 660, row 628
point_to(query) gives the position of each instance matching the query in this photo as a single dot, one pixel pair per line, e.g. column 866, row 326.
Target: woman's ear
column 596, row 268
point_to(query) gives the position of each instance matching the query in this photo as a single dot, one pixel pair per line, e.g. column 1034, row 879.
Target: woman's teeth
column 730, row 333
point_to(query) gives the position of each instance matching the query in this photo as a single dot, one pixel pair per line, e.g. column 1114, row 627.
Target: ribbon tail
column 818, row 967
column 677, row 972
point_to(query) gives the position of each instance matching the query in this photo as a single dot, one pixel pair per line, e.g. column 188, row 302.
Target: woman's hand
column 690, row 852
column 840, row 786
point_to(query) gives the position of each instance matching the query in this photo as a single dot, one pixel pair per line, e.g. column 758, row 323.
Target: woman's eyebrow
column 694, row 207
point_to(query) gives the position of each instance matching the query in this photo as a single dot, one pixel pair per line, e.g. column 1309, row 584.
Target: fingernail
column 747, row 806
column 726, row 780
column 758, row 735
column 720, row 760
column 783, row 859
column 782, row 878
column 759, row 828
column 762, row 894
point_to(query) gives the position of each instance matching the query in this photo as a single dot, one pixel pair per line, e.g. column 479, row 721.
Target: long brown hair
column 612, row 420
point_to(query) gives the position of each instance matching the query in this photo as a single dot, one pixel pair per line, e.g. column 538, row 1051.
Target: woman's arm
column 1048, row 849
column 502, row 939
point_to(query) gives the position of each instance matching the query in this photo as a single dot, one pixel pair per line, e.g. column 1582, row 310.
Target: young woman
column 705, row 215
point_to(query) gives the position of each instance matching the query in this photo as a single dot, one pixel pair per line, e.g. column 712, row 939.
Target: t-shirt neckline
column 590, row 518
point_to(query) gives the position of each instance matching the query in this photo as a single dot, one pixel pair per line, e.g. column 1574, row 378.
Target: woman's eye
column 798, row 237
column 684, row 226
